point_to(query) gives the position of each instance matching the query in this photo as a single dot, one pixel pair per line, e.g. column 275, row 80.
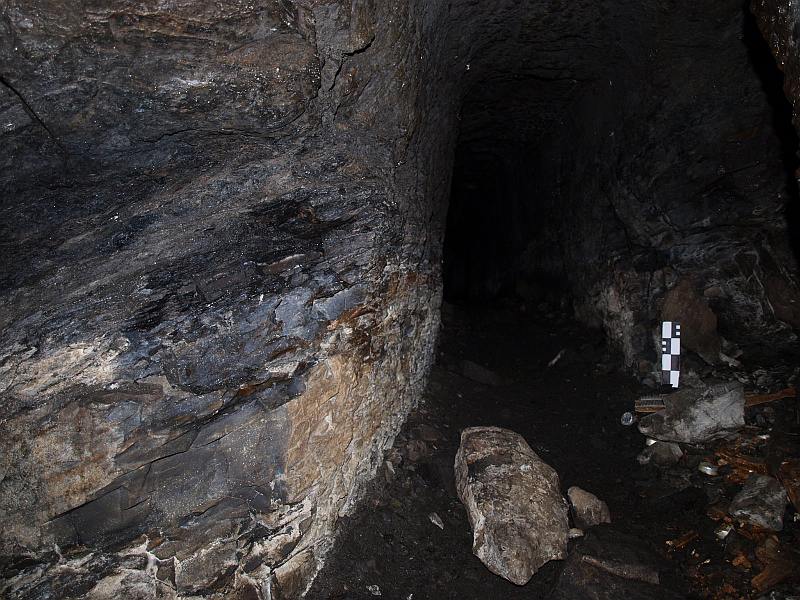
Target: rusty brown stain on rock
column 698, row 322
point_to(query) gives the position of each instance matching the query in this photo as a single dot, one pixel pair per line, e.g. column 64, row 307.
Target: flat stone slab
column 514, row 503
column 696, row 415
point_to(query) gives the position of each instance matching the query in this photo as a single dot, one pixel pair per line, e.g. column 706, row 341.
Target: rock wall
column 694, row 199
column 779, row 23
column 215, row 309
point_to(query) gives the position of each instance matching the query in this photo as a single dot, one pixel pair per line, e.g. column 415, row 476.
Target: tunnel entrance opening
column 492, row 223
column 483, row 234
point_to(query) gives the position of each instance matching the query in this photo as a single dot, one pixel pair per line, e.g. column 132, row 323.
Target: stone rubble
column 661, row 453
column 761, row 502
column 513, row 500
column 587, row 509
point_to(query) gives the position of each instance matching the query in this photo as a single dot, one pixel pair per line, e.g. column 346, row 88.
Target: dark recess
column 771, row 78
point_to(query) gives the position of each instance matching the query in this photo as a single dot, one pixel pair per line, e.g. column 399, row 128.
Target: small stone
column 436, row 520
column 574, row 532
column 706, row 468
column 513, row 500
column 761, row 502
column 374, row 590
column 587, row 509
column 663, row 454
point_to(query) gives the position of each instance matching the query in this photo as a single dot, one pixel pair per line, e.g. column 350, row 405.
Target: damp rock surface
column 513, row 499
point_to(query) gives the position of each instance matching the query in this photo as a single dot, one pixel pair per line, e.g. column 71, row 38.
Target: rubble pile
column 733, row 455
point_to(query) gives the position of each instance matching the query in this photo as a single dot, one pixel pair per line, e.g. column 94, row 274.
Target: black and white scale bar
column 670, row 353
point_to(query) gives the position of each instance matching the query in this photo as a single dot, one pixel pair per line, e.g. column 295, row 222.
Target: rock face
column 761, row 502
column 587, row 509
column 518, row 516
column 621, row 215
column 684, row 305
column 215, row 313
column 778, row 21
column 696, row 415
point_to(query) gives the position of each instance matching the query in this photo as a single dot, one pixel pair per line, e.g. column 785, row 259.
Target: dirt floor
column 570, row 415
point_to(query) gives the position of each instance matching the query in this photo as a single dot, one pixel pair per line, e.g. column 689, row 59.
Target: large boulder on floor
column 587, row 509
column 694, row 415
column 761, row 502
column 513, row 500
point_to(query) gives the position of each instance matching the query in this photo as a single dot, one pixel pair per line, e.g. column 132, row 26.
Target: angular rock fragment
column 480, row 374
column 761, row 502
column 697, row 415
column 661, row 453
column 608, row 565
column 587, row 509
column 518, row 516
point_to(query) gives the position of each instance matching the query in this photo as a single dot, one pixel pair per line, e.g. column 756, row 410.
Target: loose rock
column 480, row 374
column 663, row 454
column 436, row 520
column 697, row 415
column 761, row 502
column 587, row 509
column 608, row 565
column 518, row 516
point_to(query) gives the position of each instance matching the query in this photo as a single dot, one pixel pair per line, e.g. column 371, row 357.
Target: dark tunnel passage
column 502, row 229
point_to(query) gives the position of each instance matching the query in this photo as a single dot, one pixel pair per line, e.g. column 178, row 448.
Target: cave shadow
column 771, row 77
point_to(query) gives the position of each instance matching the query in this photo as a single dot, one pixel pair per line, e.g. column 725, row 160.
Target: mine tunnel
column 405, row 300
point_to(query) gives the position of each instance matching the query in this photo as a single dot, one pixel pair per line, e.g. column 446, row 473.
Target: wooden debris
column 655, row 403
column 789, row 476
column 682, row 541
column 649, row 404
column 754, row 399
column 753, row 533
column 741, row 455
column 742, row 562
column 717, row 512
column 779, row 565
